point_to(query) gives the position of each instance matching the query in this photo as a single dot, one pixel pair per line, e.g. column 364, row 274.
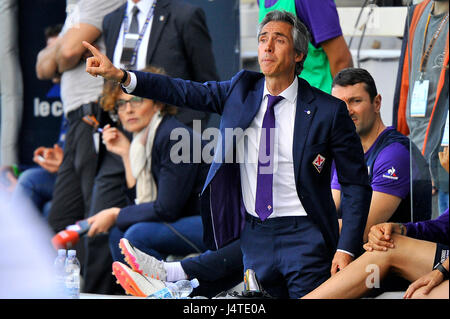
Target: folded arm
column 71, row 49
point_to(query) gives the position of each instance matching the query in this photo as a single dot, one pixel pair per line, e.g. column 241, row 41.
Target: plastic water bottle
column 60, row 272
column 176, row 290
column 72, row 281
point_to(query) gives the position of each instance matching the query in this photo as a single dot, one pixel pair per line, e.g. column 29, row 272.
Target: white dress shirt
column 144, row 8
column 285, row 197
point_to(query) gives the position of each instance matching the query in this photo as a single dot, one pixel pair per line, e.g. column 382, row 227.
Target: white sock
column 174, row 271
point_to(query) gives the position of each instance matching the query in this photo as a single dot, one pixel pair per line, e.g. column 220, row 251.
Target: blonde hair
column 112, row 90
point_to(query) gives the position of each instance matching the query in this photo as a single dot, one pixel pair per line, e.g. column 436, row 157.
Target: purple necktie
column 264, row 198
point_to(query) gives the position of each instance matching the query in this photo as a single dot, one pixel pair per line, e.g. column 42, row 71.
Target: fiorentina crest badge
column 319, row 162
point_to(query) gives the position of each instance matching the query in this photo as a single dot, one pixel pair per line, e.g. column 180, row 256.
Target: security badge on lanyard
column 446, row 132
column 419, row 98
column 129, row 44
column 132, row 41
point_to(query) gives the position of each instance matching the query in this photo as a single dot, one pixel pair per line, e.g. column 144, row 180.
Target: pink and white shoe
column 134, row 283
column 141, row 262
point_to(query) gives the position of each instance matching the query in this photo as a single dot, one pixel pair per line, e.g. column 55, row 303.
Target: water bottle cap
column 72, row 253
column 194, row 283
column 62, row 252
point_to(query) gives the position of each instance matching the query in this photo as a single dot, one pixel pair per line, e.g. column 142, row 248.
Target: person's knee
column 439, row 292
column 136, row 234
column 380, row 257
column 27, row 179
column 419, row 294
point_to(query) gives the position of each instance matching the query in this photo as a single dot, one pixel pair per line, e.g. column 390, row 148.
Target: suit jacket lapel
column 243, row 119
column 160, row 17
column 303, row 118
column 251, row 105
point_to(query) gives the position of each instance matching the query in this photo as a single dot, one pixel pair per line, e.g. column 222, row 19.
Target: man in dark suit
column 285, row 217
column 176, row 39
column 166, row 29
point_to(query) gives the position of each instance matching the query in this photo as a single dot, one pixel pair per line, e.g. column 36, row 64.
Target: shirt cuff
column 133, row 82
column 344, row 251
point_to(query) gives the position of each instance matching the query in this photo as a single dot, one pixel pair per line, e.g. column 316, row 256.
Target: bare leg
column 439, row 292
column 410, row 258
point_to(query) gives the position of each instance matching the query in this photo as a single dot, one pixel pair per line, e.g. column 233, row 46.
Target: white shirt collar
column 143, row 5
column 290, row 94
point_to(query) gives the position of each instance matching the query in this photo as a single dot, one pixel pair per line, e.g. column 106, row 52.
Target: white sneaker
column 134, row 283
column 141, row 262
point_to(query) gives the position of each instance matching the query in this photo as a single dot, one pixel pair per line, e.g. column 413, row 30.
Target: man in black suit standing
column 169, row 34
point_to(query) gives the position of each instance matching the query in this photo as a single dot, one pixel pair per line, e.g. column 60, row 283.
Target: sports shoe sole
column 134, row 283
column 127, row 251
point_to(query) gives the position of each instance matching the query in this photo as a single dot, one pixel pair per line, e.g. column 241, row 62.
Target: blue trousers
column 159, row 240
column 37, row 185
column 217, row 270
column 288, row 254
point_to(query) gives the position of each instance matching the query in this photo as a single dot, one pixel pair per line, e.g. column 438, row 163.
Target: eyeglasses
column 135, row 102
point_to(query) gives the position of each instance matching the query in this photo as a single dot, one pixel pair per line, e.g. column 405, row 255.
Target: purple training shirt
column 391, row 174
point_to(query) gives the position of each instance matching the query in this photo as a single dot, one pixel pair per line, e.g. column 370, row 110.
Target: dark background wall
column 41, row 115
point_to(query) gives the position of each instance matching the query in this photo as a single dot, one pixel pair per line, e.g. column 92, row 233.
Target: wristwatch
column 442, row 270
column 124, row 77
column 402, row 229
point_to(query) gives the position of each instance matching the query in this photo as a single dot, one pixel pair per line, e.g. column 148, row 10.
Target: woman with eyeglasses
column 166, row 217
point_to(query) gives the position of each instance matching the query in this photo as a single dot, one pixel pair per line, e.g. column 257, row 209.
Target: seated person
column 36, row 183
column 386, row 153
column 166, row 218
column 412, row 250
column 416, row 251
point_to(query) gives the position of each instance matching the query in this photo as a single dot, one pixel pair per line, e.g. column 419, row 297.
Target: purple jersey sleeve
column 334, row 181
column 391, row 171
column 435, row 230
column 321, row 19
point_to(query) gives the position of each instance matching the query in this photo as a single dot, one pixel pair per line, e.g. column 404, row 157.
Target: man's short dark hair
column 352, row 76
column 300, row 33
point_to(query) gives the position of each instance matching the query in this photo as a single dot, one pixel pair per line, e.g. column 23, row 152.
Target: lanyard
column 426, row 53
column 141, row 34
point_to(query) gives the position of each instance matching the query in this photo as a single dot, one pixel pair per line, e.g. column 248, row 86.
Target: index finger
column 91, row 48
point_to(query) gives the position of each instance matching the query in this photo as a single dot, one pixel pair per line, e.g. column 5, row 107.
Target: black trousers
column 75, row 179
column 72, row 192
column 109, row 191
column 84, row 186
